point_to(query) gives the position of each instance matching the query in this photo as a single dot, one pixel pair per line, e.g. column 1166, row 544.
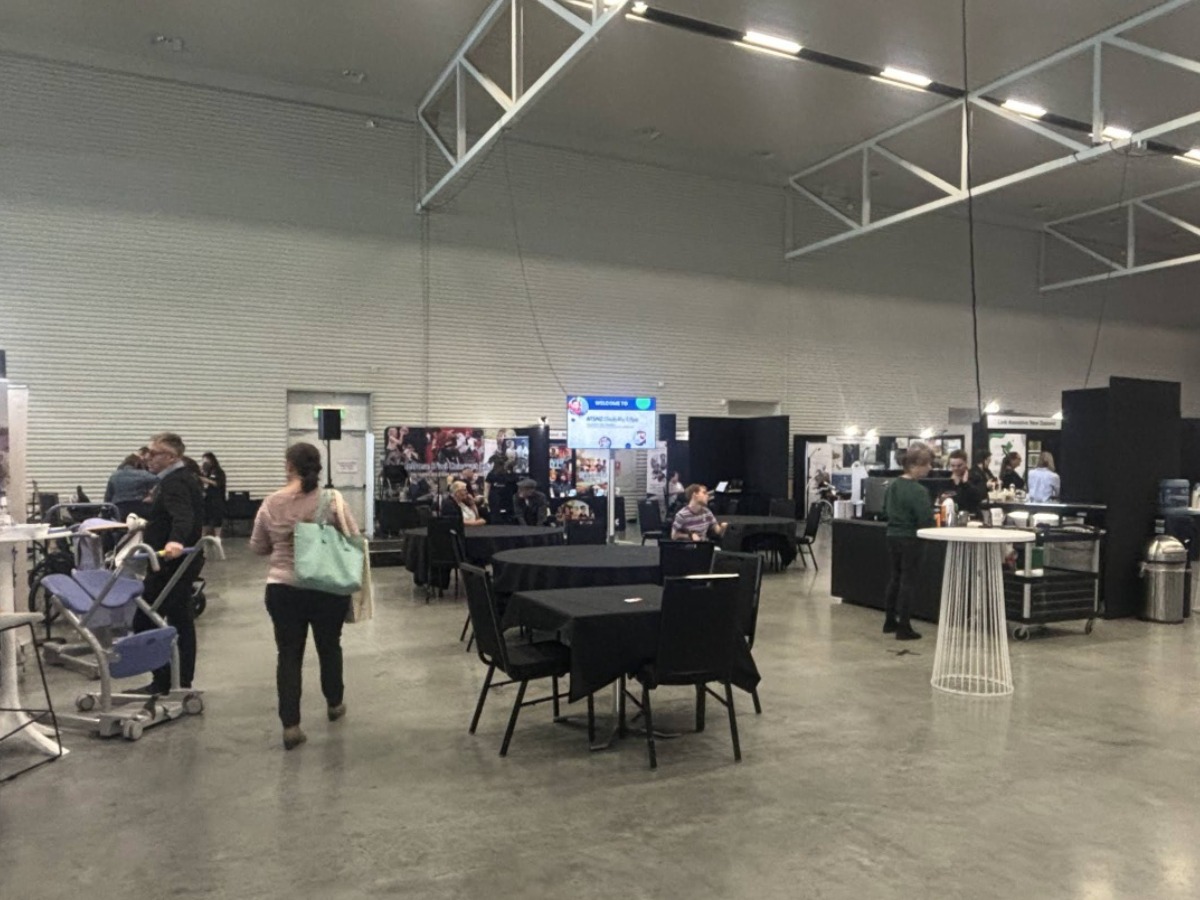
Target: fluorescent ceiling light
column 639, row 9
column 872, row 434
column 893, row 74
column 1113, row 133
column 1192, row 156
column 926, row 433
column 1026, row 109
column 992, row 407
column 782, row 45
column 851, row 430
column 897, row 84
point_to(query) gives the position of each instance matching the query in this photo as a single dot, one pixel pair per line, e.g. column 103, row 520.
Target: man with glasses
column 174, row 522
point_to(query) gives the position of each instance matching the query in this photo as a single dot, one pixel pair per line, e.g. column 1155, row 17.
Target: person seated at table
column 461, row 505
column 1044, row 483
column 530, row 506
column 419, row 490
column 696, row 522
column 970, row 484
column 1010, row 474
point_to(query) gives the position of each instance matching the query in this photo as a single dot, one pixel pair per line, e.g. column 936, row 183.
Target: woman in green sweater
column 908, row 507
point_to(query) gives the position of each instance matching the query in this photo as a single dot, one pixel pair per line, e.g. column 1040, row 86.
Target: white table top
column 22, row 534
column 978, row 535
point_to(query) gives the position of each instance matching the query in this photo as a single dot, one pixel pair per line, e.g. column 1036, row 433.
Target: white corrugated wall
column 177, row 257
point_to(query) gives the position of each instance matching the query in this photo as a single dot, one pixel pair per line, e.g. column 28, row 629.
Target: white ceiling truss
column 1090, row 144
column 1052, row 233
column 516, row 101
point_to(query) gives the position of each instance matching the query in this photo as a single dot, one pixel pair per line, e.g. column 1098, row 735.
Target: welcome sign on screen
column 611, row 423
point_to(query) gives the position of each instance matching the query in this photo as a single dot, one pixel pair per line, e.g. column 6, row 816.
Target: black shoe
column 889, row 626
column 905, row 633
column 150, row 690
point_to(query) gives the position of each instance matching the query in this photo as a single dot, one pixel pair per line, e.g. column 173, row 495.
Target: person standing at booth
column 173, row 523
column 212, row 476
column 1010, row 472
column 908, row 508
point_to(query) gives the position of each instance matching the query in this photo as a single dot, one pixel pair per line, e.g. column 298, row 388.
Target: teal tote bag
column 326, row 559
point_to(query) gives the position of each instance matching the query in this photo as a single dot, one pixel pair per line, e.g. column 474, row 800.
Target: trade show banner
column 592, row 472
column 562, row 469
column 436, row 453
column 656, row 471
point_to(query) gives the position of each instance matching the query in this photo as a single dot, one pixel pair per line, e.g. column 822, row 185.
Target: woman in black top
column 1009, row 476
column 212, row 476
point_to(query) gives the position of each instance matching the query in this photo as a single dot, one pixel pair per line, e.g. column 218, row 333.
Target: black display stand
column 1117, row 444
column 539, row 455
column 751, row 450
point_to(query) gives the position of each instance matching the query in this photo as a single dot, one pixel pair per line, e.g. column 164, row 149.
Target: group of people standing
column 130, row 488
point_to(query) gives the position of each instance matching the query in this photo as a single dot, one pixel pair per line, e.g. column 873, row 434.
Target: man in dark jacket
column 174, row 522
column 530, row 506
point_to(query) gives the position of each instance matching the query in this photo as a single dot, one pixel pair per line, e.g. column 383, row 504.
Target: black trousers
column 177, row 609
column 905, row 554
column 293, row 610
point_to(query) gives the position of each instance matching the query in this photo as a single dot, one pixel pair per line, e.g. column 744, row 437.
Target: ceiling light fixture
column 872, row 434
column 992, row 408
column 897, row 84
column 770, row 42
column 1113, row 133
column 1192, row 156
column 891, row 73
column 639, row 9
column 851, row 430
column 1032, row 110
column 926, row 433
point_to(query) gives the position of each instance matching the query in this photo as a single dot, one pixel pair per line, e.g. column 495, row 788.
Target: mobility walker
column 101, row 606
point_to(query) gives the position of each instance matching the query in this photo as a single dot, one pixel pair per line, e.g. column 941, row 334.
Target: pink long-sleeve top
column 275, row 528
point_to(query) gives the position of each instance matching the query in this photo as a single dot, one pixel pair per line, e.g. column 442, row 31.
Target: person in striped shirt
column 695, row 522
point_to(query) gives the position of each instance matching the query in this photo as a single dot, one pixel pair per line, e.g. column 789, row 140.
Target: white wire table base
column 971, row 657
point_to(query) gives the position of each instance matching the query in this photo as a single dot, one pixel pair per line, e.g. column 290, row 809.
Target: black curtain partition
column 539, row 455
column 752, row 450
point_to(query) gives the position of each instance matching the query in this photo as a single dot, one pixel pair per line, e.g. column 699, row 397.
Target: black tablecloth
column 749, row 534
column 482, row 543
column 608, row 637
column 586, row 565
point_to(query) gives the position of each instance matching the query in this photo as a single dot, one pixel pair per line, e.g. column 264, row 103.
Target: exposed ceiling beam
column 514, row 103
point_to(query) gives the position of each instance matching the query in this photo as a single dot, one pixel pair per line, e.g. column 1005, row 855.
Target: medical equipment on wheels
column 101, row 606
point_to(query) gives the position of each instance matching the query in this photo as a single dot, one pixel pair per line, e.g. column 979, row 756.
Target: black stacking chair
column 812, row 525
column 681, row 558
column 443, row 553
column 517, row 658
column 748, row 568
column 586, row 532
column 783, row 508
column 696, row 646
column 650, row 521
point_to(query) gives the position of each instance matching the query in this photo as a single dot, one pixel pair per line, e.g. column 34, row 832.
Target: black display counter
column 861, row 568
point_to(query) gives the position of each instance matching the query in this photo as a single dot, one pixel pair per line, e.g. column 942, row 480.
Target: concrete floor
column 858, row 781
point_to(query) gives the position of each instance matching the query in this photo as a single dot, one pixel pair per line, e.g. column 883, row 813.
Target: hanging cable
column 1106, row 290
column 537, row 328
column 971, row 213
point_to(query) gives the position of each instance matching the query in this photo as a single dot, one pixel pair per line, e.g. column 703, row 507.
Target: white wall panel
column 173, row 257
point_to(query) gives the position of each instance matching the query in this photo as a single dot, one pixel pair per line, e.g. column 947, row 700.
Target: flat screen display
column 611, row 423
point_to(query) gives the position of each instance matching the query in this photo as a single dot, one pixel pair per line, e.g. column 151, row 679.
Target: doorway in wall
column 349, row 464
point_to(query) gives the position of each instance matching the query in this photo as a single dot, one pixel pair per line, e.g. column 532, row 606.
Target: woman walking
column 212, row 476
column 295, row 609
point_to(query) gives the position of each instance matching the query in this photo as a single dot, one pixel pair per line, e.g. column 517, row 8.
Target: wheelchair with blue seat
column 101, row 605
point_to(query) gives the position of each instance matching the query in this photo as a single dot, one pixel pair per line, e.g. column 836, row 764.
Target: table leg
column 10, row 696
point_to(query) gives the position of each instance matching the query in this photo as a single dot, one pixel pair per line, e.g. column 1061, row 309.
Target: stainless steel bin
column 1163, row 571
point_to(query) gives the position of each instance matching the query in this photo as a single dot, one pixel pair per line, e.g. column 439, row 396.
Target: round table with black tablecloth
column 749, row 534
column 482, row 543
column 585, row 565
